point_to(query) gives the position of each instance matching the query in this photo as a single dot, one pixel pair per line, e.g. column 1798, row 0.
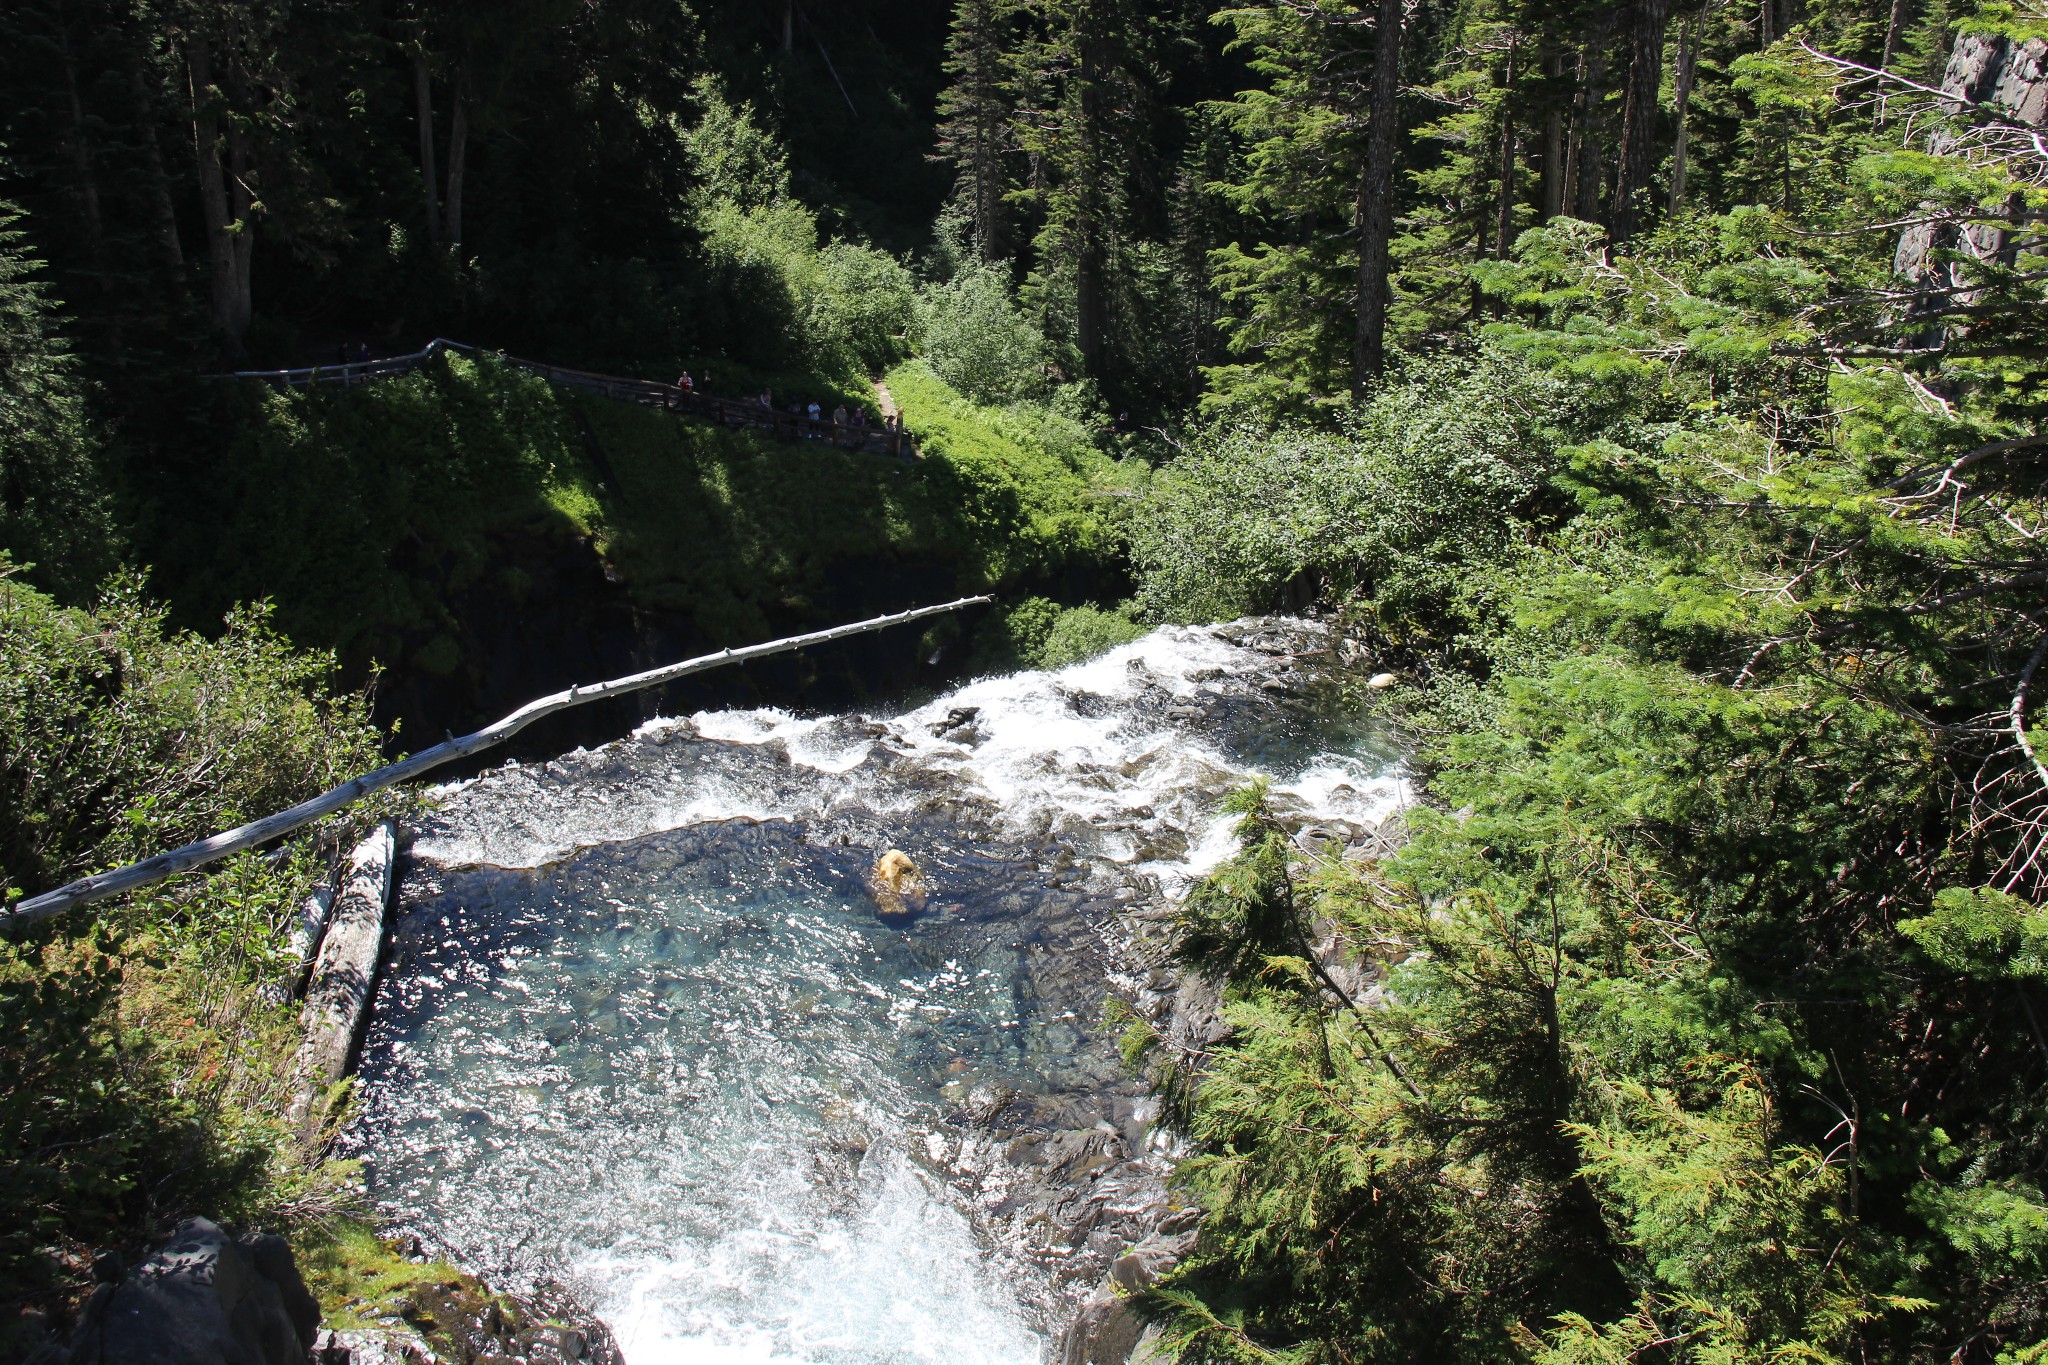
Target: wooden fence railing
column 728, row 412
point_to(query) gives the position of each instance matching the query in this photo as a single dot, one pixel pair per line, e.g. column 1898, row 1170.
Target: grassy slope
column 363, row 513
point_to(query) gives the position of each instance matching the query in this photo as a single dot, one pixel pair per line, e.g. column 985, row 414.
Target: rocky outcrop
column 203, row 1298
column 1106, row 1331
column 461, row 1321
column 2001, row 74
column 345, row 972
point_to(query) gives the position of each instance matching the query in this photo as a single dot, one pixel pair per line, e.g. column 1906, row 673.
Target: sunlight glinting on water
column 689, row 1067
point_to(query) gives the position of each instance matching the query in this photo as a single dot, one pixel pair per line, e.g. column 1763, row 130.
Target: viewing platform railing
column 729, row 412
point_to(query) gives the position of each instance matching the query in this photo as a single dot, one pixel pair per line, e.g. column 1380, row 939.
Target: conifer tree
column 975, row 128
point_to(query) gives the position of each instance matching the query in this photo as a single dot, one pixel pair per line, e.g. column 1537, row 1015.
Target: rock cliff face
column 2012, row 79
column 203, row 1298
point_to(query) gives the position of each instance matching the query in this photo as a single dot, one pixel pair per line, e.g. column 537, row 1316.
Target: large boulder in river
column 203, row 1298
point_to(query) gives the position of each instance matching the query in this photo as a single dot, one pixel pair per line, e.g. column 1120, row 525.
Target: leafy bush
column 119, row 738
column 1037, row 632
column 865, row 305
column 1432, row 478
column 1083, row 632
column 836, row 310
column 970, row 331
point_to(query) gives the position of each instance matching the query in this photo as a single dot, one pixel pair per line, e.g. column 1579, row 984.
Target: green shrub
column 1037, row 632
column 864, row 305
column 840, row 309
column 145, row 1069
column 970, row 331
column 1432, row 477
column 1081, row 633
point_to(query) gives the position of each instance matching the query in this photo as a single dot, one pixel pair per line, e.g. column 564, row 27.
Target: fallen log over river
column 258, row 832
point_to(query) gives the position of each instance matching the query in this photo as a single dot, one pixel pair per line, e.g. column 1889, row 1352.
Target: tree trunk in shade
column 1376, row 200
column 1504, row 205
column 1682, row 77
column 1639, row 118
column 430, row 175
column 458, row 158
column 224, row 199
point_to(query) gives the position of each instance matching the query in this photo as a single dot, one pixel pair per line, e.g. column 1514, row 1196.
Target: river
column 644, row 1029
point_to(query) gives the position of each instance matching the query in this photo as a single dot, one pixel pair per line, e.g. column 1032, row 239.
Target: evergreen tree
column 54, row 512
column 975, row 128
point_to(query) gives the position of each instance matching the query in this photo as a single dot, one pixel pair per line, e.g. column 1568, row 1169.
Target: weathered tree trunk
column 1376, row 193
column 1504, row 204
column 1894, row 31
column 1767, row 22
column 430, row 176
column 1682, row 78
column 1639, row 118
column 1091, row 262
column 458, row 158
column 159, row 180
column 224, row 199
column 1573, row 190
column 1556, row 171
column 84, row 182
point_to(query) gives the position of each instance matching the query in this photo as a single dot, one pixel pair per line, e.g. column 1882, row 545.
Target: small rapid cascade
column 644, row 1029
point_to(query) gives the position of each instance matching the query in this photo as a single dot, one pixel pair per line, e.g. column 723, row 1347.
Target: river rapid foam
column 643, row 1029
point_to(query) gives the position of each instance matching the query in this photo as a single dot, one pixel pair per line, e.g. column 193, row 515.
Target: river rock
column 462, row 1321
column 1106, row 1331
column 203, row 1298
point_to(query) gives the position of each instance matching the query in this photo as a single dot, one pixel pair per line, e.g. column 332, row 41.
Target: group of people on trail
column 855, row 420
column 849, row 425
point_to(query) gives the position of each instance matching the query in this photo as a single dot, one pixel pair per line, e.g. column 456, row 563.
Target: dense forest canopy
column 1656, row 387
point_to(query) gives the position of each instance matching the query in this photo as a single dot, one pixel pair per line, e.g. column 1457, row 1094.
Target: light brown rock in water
column 896, row 884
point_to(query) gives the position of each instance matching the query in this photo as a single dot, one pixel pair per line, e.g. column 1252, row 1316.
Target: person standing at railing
column 839, row 421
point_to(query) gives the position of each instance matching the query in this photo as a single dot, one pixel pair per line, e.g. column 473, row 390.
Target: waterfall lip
column 1120, row 738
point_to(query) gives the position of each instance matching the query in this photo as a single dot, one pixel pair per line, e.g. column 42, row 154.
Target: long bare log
column 2018, row 712
column 103, row 884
